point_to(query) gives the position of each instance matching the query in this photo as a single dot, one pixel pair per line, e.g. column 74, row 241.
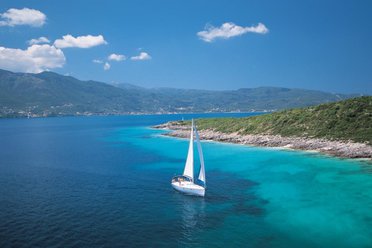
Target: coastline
column 339, row 149
column 87, row 114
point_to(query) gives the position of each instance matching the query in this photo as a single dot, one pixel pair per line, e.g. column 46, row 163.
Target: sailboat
column 186, row 183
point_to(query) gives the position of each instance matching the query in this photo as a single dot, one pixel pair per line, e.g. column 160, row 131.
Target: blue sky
column 321, row 45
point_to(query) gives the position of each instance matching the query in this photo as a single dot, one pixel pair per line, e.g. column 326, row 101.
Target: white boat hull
column 189, row 188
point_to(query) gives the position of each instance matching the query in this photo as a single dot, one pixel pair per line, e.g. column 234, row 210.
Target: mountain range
column 52, row 94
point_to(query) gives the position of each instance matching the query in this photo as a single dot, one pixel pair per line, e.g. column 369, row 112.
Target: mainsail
column 189, row 167
column 201, row 158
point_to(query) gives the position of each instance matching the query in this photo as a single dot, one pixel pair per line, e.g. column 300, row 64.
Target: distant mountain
column 50, row 94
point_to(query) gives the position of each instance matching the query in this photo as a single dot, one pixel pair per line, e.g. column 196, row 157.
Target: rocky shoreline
column 334, row 148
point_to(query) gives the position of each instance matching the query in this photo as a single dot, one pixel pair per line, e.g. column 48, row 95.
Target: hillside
column 52, row 94
column 344, row 120
column 48, row 94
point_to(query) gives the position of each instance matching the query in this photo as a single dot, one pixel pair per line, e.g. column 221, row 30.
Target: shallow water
column 105, row 181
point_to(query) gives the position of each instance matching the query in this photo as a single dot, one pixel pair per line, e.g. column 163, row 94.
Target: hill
column 49, row 94
column 344, row 120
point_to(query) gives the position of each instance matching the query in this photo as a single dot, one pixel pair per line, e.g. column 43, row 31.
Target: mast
column 201, row 176
column 189, row 166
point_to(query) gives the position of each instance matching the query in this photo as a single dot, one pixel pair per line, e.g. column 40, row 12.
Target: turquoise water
column 105, row 181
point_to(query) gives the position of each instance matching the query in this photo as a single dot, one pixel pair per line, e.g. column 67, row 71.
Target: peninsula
column 342, row 129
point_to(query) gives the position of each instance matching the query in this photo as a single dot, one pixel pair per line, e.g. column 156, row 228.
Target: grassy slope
column 345, row 120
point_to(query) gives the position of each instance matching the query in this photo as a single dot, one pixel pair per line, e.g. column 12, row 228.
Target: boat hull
column 189, row 188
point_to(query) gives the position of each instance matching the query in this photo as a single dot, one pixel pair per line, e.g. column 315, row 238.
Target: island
column 342, row 129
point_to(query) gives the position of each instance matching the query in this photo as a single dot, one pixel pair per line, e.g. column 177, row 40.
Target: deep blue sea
column 105, row 182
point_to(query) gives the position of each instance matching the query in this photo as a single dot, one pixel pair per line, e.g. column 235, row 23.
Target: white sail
column 201, row 157
column 189, row 166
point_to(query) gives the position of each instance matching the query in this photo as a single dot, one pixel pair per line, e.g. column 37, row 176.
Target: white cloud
column 80, row 41
column 35, row 58
column 97, row 61
column 39, row 40
column 228, row 30
column 25, row 16
column 116, row 57
column 106, row 66
column 141, row 56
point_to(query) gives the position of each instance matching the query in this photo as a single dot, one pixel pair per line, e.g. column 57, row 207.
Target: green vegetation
column 51, row 94
column 345, row 120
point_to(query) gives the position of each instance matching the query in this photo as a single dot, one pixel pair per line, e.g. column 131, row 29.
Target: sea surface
column 105, row 182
